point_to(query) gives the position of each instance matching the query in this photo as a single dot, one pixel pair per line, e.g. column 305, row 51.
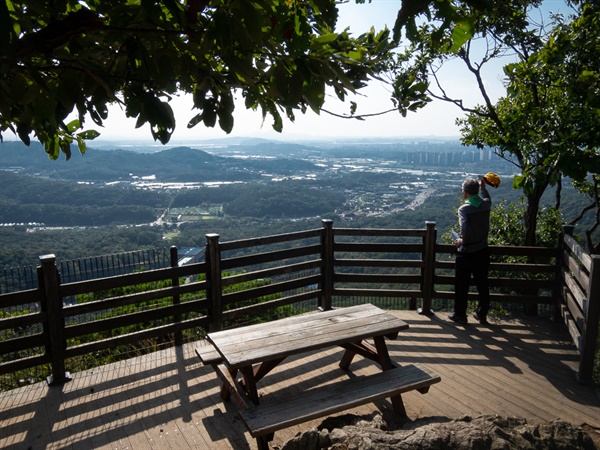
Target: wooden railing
column 283, row 274
column 579, row 285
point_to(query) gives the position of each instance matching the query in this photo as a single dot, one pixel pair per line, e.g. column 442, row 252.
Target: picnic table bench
column 255, row 350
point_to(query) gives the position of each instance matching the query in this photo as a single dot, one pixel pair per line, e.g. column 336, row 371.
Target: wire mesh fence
column 15, row 279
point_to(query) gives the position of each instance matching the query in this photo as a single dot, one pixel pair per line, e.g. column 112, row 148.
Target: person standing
column 473, row 256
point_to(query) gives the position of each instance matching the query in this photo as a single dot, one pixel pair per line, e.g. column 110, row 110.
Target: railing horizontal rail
column 22, row 321
column 269, row 257
column 376, row 278
column 534, row 252
column 369, row 247
column 134, row 337
column 269, row 240
column 99, row 326
column 515, row 284
column 255, row 309
column 119, row 281
column 502, row 298
column 190, row 288
column 24, row 363
column 578, row 252
column 383, row 232
column 522, row 284
column 576, row 269
column 573, row 301
column 23, row 343
column 394, row 293
column 523, row 268
column 189, row 270
column 20, row 298
column 403, row 263
column 269, row 289
column 272, row 272
column 116, row 302
column 507, row 267
column 575, row 290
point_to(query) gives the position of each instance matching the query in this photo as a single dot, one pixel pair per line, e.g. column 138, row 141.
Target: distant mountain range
column 178, row 164
column 322, row 142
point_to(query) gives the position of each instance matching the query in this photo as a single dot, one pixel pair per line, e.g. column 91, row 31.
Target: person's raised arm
column 483, row 189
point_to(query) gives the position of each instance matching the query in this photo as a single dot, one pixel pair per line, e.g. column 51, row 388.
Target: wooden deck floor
column 168, row 400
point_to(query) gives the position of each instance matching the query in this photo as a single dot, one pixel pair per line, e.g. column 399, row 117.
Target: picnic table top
column 248, row 345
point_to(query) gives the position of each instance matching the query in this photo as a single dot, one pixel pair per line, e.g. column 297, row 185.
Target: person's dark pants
column 475, row 263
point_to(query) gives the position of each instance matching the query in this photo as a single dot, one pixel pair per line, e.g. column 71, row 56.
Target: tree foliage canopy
column 280, row 55
column 546, row 123
column 83, row 56
column 60, row 60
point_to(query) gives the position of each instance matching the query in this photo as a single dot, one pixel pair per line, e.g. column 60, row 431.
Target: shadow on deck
column 167, row 400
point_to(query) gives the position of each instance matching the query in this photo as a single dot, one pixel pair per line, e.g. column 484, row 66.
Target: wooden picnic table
column 256, row 350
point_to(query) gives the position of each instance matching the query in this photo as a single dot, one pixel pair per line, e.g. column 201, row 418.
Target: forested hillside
column 18, row 247
column 25, row 199
column 178, row 164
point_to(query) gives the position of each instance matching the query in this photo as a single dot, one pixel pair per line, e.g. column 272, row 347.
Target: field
column 193, row 213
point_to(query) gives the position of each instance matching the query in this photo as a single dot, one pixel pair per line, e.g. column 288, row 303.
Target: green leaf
column 23, row 132
column 52, row 147
column 73, row 126
column 209, row 115
column 356, row 56
column 226, row 121
column 6, row 32
column 88, row 135
column 161, row 134
column 461, row 33
column 65, row 146
column 81, row 144
column 518, row 181
column 251, row 20
column 326, row 39
column 314, row 95
column 194, row 121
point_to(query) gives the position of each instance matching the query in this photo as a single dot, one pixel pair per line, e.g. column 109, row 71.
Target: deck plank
column 169, row 400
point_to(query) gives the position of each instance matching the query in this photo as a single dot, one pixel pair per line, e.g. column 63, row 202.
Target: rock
column 481, row 433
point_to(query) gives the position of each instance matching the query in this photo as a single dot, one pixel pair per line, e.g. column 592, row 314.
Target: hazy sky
column 437, row 119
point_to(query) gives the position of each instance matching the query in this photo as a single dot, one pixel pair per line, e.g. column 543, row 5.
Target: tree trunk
column 531, row 214
column 530, row 219
column 557, row 195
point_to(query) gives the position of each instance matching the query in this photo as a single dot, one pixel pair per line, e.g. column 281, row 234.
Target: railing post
column 54, row 326
column 213, row 278
column 176, row 298
column 428, row 268
column 592, row 319
column 327, row 268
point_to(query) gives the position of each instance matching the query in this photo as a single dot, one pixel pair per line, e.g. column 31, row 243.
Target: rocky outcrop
column 480, row 433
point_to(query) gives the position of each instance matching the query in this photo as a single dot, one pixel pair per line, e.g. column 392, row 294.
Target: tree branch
column 359, row 116
column 476, row 71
